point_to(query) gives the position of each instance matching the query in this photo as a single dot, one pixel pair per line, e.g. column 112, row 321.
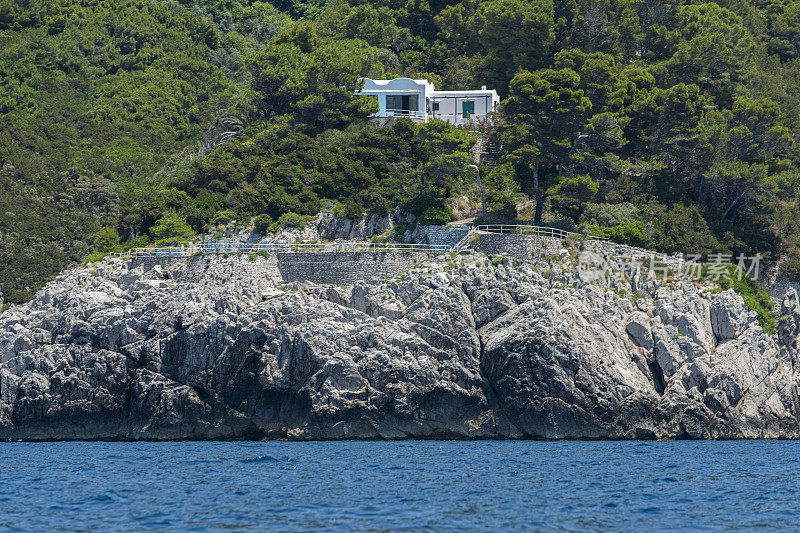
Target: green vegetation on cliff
column 670, row 125
column 95, row 97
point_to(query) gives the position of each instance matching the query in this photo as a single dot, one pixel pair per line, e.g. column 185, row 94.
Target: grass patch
column 756, row 297
column 95, row 257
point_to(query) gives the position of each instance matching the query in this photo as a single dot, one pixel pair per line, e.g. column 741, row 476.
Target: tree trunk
column 540, row 199
column 735, row 202
column 700, row 190
column 537, row 217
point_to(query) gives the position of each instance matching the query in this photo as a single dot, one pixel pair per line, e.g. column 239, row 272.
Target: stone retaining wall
column 205, row 267
column 439, row 235
column 344, row 268
column 336, row 268
column 521, row 247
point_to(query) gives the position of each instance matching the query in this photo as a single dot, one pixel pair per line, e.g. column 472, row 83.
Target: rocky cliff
column 463, row 348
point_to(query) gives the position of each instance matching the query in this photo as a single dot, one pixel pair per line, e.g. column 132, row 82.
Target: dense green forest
column 669, row 125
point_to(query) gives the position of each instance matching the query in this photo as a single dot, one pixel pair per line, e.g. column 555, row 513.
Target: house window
column 402, row 104
column 468, row 108
column 435, row 106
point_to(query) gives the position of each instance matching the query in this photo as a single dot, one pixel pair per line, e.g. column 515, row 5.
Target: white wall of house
column 417, row 98
column 451, row 105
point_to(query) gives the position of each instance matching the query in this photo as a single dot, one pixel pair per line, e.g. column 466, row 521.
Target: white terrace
column 420, row 101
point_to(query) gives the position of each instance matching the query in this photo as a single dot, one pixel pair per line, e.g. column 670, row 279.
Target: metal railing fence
column 537, row 231
column 244, row 248
column 225, row 248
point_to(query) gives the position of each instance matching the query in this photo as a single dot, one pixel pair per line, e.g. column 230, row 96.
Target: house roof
column 408, row 85
column 396, row 85
column 394, row 80
column 487, row 92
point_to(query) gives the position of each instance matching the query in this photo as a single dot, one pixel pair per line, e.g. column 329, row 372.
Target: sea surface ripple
column 407, row 485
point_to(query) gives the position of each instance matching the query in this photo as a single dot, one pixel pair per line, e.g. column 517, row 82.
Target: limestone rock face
column 789, row 320
column 482, row 349
column 729, row 316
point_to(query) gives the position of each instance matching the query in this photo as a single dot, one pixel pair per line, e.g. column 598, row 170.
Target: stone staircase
column 486, row 151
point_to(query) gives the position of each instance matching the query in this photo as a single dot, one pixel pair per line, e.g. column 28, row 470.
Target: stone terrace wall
column 343, row 268
column 439, row 235
column 521, row 247
column 199, row 268
column 337, row 268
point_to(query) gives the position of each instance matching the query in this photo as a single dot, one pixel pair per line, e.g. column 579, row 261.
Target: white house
column 420, row 101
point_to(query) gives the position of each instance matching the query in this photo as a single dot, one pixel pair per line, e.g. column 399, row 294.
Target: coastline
column 466, row 347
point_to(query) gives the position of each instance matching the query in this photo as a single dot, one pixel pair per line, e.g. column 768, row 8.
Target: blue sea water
column 411, row 485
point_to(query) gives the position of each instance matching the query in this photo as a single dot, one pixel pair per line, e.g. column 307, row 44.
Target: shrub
column 571, row 193
column 95, row 257
column 756, row 297
column 172, row 241
column 223, row 217
column 107, row 240
column 680, row 228
column 609, row 214
column 507, row 210
column 436, row 216
column 631, row 232
column 790, row 267
column 262, row 223
column 332, row 206
column 137, row 242
column 338, row 210
column 292, row 220
column 352, row 210
column 172, row 225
